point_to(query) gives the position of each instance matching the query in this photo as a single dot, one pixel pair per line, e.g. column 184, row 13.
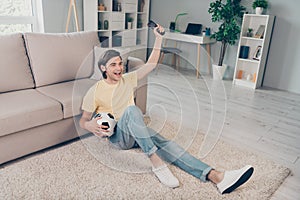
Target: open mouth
column 118, row 73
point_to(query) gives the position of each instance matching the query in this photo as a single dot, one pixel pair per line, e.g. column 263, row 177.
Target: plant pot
column 129, row 25
column 218, row 71
column 249, row 34
column 259, row 10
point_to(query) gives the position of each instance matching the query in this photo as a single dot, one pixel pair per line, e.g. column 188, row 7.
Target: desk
column 199, row 40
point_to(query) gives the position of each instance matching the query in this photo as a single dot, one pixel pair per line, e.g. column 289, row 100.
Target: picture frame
column 257, row 53
column 260, row 32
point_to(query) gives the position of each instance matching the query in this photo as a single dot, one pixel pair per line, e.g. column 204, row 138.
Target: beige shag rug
column 91, row 169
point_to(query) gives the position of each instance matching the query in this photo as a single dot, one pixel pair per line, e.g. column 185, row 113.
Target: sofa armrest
column 134, row 63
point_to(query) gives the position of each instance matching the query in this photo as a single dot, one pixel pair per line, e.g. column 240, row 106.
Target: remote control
column 152, row 25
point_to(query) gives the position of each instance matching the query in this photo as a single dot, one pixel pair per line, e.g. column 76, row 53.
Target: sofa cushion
column 69, row 94
column 15, row 73
column 57, row 57
column 25, row 109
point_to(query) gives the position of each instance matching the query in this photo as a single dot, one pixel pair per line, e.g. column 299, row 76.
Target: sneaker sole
column 244, row 178
column 169, row 186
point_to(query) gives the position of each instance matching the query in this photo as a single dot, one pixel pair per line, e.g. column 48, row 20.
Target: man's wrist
column 85, row 126
column 158, row 38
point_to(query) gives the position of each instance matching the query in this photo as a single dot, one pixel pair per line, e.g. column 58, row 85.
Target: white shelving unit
column 118, row 34
column 249, row 70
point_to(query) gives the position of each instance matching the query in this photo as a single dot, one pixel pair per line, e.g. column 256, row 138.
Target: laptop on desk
column 193, row 29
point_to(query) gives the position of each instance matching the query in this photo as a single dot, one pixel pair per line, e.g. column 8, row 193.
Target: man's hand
column 158, row 29
column 91, row 124
column 95, row 128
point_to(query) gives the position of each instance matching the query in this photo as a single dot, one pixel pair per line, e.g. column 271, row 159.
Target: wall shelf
column 134, row 37
column 249, row 69
column 251, row 38
column 248, row 60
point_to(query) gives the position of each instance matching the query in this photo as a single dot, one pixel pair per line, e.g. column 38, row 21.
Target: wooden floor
column 263, row 120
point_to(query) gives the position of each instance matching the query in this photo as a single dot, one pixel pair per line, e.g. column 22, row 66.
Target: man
column 114, row 94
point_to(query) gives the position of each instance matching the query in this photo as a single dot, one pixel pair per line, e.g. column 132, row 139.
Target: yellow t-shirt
column 111, row 98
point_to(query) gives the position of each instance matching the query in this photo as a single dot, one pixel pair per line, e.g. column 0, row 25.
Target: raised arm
column 154, row 56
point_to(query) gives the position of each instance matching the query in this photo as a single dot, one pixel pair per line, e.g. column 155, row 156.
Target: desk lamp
column 174, row 25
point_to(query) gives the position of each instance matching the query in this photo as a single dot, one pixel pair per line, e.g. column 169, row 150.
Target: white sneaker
column 165, row 176
column 235, row 178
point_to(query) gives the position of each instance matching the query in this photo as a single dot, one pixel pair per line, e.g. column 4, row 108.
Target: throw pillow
column 134, row 63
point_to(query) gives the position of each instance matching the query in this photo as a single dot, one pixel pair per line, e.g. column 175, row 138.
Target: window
column 21, row 16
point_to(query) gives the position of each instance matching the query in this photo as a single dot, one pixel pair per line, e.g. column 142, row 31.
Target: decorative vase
column 259, row 10
column 99, row 25
column 207, row 31
column 129, row 25
column 119, row 7
column 105, row 26
column 141, row 6
column 218, row 71
column 101, row 7
column 244, row 52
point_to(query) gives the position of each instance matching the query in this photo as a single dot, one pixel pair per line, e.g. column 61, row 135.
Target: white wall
column 283, row 67
column 197, row 13
column 55, row 15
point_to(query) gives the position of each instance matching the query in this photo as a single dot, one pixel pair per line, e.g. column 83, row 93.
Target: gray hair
column 109, row 54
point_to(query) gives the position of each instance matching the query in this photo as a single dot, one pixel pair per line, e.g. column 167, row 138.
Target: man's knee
column 133, row 111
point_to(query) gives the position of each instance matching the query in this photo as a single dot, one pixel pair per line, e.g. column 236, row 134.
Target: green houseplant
column 229, row 13
column 249, row 32
column 259, row 5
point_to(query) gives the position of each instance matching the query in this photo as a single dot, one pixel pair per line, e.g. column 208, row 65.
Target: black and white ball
column 107, row 119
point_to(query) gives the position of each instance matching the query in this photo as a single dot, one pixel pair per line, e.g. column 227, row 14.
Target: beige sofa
column 43, row 78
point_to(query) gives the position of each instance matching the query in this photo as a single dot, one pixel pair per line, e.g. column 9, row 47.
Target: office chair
column 191, row 29
column 170, row 50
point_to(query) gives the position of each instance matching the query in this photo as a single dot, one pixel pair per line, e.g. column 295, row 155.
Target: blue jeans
column 131, row 132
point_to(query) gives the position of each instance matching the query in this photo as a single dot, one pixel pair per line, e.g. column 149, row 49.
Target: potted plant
column 249, row 32
column 259, row 6
column 229, row 13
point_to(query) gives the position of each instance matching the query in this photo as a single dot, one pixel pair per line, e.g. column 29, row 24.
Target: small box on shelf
column 117, row 41
column 243, row 75
column 239, row 74
column 260, row 32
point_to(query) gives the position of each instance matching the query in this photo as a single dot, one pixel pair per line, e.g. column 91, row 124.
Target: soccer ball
column 107, row 119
